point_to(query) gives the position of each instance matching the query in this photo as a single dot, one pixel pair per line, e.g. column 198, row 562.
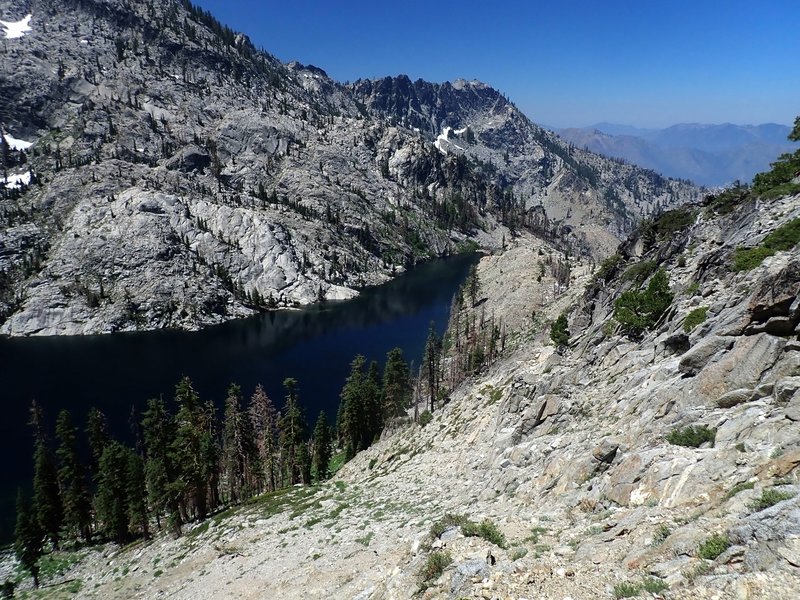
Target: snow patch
column 16, row 144
column 461, row 131
column 17, row 29
column 442, row 138
column 17, row 181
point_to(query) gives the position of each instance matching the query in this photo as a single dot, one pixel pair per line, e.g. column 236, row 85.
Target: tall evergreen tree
column 210, row 454
column 97, row 434
column 187, row 449
column 291, row 427
column 47, row 507
column 136, row 495
column 158, row 430
column 396, row 385
column 28, row 538
column 264, row 421
column 322, row 447
column 430, row 364
column 111, row 497
column 352, row 424
column 74, row 493
column 238, row 447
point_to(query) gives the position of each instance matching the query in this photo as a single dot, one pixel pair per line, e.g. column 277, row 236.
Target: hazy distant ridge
column 706, row 154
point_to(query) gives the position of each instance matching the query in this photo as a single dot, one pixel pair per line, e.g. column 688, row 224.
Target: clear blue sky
column 565, row 63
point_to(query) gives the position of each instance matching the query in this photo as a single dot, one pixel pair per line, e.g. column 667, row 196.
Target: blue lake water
column 118, row 372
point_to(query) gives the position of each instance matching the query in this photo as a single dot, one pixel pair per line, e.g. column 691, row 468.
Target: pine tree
column 74, row 493
column 559, row 332
column 291, row 427
column 28, row 538
column 210, row 454
column 264, row 421
column 111, row 497
column 47, row 507
column 136, row 495
column 352, row 423
column 430, row 364
column 158, row 431
column 97, row 434
column 322, row 447
column 187, row 450
column 396, row 385
column 238, row 447
column 473, row 284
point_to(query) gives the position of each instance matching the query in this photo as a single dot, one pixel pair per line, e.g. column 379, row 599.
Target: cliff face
column 161, row 171
column 567, row 454
column 597, row 201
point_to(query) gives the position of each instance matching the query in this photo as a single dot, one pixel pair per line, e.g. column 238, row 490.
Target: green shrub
column 435, row 565
column 661, row 534
column 449, row 520
column 713, row 546
column 692, row 436
column 559, row 332
column 747, row 259
column 726, row 201
column 694, row 318
column 639, row 272
column 638, row 311
column 739, row 487
column 487, row 530
column 608, row 267
column 784, row 237
column 627, row 590
column 770, row 497
column 518, row 552
column 673, row 221
column 425, row 418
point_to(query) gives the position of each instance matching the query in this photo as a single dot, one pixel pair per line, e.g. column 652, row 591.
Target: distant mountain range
column 706, row 154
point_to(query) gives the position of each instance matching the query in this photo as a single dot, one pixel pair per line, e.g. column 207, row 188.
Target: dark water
column 120, row 371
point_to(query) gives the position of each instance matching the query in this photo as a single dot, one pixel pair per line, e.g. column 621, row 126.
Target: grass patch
column 536, row 533
column 654, row 585
column 435, row 565
column 627, row 590
column 713, row 546
column 694, row 318
column 158, row 573
column 364, row 541
column 337, row 462
column 739, row 487
column 57, row 563
column 692, row 436
column 661, row 534
column 769, row 497
column 518, row 552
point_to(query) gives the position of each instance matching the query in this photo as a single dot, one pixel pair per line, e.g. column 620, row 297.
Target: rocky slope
column 566, row 453
column 160, row 171
column 596, row 201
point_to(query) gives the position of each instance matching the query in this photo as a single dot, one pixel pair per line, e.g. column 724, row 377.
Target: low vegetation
column 769, row 497
column 783, row 238
column 437, row 562
column 627, row 590
column 486, row 529
column 693, row 436
column 639, row 310
column 694, row 318
column 713, row 546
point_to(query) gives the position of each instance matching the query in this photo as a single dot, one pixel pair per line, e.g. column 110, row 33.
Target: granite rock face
column 266, row 184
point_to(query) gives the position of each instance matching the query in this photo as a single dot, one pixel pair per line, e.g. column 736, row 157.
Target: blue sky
column 564, row 63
